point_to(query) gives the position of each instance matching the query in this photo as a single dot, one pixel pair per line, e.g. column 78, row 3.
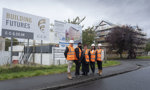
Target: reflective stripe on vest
column 99, row 51
column 87, row 56
column 79, row 54
column 71, row 53
column 92, row 55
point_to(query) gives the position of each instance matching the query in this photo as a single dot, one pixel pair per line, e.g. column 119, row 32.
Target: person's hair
column 79, row 43
column 85, row 45
column 94, row 47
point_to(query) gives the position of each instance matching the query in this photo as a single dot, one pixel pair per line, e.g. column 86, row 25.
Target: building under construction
column 104, row 27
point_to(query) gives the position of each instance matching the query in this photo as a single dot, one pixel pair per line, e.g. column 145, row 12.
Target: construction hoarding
column 22, row 25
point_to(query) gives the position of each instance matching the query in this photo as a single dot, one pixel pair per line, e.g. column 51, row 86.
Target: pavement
column 57, row 81
column 135, row 80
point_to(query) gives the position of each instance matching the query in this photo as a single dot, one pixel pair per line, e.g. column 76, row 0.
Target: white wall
column 4, row 57
column 46, row 58
column 149, row 53
column 18, row 48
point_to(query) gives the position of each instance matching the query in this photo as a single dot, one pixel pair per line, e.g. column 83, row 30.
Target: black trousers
column 85, row 68
column 78, row 64
column 92, row 65
column 99, row 63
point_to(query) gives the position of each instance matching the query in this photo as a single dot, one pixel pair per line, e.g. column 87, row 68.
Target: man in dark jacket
column 77, row 61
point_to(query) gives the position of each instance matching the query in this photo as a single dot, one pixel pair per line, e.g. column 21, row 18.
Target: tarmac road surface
column 135, row 80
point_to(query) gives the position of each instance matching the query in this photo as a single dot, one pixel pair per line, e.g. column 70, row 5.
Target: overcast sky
column 131, row 12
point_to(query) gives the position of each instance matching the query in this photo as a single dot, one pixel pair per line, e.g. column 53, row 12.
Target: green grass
column 143, row 57
column 19, row 71
column 110, row 63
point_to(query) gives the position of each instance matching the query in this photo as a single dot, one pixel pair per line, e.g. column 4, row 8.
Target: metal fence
column 24, row 52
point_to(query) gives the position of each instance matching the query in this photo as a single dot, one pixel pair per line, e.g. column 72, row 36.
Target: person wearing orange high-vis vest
column 92, row 58
column 70, row 56
column 99, row 58
column 77, row 60
column 85, row 60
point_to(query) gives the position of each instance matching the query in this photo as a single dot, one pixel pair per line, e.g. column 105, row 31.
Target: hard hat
column 93, row 45
column 99, row 44
column 71, row 41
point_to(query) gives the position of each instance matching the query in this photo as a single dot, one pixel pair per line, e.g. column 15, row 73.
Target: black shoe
column 86, row 74
column 83, row 73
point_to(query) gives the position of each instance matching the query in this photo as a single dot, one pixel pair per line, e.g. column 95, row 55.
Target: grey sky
column 131, row 12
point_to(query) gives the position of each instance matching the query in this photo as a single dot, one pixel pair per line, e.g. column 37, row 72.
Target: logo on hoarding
column 41, row 25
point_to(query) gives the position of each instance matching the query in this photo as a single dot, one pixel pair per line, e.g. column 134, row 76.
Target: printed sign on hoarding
column 21, row 25
column 66, row 32
column 59, row 28
column 73, row 32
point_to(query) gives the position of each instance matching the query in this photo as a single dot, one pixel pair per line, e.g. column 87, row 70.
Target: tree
column 76, row 20
column 116, row 40
column 124, row 38
column 88, row 36
column 147, row 48
column 8, row 43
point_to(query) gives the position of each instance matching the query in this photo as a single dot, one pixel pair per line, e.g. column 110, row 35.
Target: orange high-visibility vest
column 71, row 53
column 87, row 55
column 79, row 54
column 99, row 51
column 93, row 53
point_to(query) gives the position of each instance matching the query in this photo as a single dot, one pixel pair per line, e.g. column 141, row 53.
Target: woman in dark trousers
column 99, row 58
column 92, row 58
column 85, row 60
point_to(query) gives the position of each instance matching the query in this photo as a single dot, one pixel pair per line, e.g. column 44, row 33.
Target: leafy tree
column 88, row 36
column 147, row 48
column 124, row 38
column 148, row 40
column 8, row 43
column 76, row 20
column 116, row 40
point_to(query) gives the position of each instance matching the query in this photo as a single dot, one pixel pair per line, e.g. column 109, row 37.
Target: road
column 135, row 80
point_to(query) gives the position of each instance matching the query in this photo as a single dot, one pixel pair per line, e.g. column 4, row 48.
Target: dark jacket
column 66, row 51
column 83, row 57
column 96, row 56
column 77, row 53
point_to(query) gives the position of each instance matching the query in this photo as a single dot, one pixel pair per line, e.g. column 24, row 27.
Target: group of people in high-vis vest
column 83, row 57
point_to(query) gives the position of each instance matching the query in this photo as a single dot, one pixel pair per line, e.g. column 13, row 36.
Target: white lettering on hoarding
column 16, row 22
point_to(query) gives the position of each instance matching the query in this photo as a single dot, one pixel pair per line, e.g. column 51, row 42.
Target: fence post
column 11, row 51
column 41, row 50
column 59, row 62
column 33, row 51
column 27, row 52
column 53, row 52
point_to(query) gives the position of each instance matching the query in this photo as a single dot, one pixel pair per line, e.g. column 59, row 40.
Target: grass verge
column 143, row 57
column 19, row 71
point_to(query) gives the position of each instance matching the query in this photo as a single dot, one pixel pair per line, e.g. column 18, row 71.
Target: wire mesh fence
column 24, row 52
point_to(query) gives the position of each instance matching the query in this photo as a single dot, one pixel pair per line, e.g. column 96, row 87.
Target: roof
column 103, row 23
